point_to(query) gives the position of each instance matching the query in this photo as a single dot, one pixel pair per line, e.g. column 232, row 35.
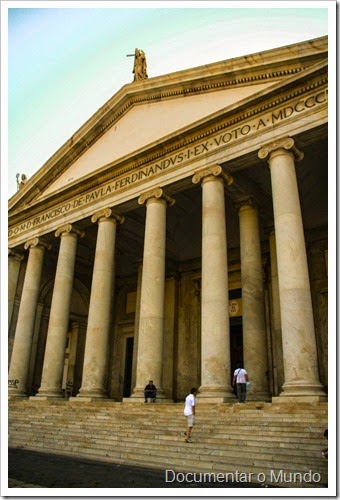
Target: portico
column 146, row 246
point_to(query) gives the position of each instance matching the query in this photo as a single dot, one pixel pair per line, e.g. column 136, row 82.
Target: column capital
column 107, row 213
column 69, row 228
column 15, row 255
column 37, row 242
column 286, row 143
column 244, row 201
column 158, row 193
column 213, row 170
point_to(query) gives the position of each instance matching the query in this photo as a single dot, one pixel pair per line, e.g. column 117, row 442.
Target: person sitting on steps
column 150, row 392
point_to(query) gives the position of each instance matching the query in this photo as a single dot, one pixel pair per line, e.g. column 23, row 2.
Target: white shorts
column 190, row 420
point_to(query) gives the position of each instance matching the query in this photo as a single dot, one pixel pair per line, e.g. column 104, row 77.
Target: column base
column 301, row 393
column 17, row 395
column 299, row 399
column 45, row 394
column 91, row 394
column 138, row 396
column 90, row 399
column 46, row 397
column 159, row 400
column 210, row 394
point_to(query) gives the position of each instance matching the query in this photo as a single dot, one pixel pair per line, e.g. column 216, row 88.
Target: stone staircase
column 278, row 445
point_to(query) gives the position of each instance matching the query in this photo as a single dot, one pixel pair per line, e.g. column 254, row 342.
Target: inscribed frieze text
column 226, row 137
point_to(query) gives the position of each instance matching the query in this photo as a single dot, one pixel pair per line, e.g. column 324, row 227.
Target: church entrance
column 128, row 367
column 236, row 331
column 236, row 343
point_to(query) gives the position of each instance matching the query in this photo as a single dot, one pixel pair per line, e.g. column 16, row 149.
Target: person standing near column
column 241, row 379
column 190, row 412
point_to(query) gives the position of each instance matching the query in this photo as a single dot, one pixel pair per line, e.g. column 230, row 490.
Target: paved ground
column 28, row 469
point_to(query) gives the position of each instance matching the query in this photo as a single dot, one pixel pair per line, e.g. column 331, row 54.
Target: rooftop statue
column 23, row 181
column 139, row 68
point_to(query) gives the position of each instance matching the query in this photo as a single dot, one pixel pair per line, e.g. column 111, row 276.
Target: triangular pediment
column 148, row 113
column 147, row 123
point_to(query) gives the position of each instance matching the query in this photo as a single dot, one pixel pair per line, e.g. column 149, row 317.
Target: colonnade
column 294, row 308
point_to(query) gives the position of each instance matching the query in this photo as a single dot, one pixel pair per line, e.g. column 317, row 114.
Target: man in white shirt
column 189, row 412
column 240, row 380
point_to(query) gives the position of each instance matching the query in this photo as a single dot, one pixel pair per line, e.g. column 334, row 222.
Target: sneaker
column 188, row 440
column 145, row 401
column 154, row 401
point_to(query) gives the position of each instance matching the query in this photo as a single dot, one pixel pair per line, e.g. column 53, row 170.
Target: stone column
column 52, row 374
column 33, row 389
column 298, row 335
column 150, row 337
column 255, row 354
column 21, row 354
column 136, row 328
column 99, row 319
column 14, row 260
column 276, row 317
column 215, row 332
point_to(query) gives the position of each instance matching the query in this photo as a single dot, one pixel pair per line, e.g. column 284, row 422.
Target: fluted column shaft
column 215, row 342
column 52, row 374
column 151, row 320
column 14, row 260
column 19, row 367
column 99, row 318
column 298, row 334
column 255, row 355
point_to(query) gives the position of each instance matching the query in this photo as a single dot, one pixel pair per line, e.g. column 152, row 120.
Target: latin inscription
column 220, row 140
column 13, row 383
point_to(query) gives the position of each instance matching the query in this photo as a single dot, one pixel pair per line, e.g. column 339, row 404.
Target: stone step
column 170, row 450
column 42, row 410
column 188, row 459
column 244, row 433
column 222, row 430
column 152, row 436
column 170, row 407
column 232, row 413
column 287, row 433
column 188, row 463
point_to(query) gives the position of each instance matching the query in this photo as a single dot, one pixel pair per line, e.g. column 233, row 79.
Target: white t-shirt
column 240, row 374
column 190, row 401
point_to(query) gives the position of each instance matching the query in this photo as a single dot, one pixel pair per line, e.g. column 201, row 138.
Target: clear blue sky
column 65, row 59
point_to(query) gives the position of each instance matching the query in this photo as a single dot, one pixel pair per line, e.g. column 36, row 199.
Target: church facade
column 181, row 230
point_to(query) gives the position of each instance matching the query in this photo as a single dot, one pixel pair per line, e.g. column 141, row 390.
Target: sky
column 63, row 60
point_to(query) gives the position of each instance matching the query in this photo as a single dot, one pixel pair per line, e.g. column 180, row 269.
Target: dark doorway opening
column 236, row 346
column 236, row 335
column 128, row 367
column 236, row 343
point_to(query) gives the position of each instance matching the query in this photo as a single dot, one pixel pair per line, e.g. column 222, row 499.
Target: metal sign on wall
column 235, row 307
